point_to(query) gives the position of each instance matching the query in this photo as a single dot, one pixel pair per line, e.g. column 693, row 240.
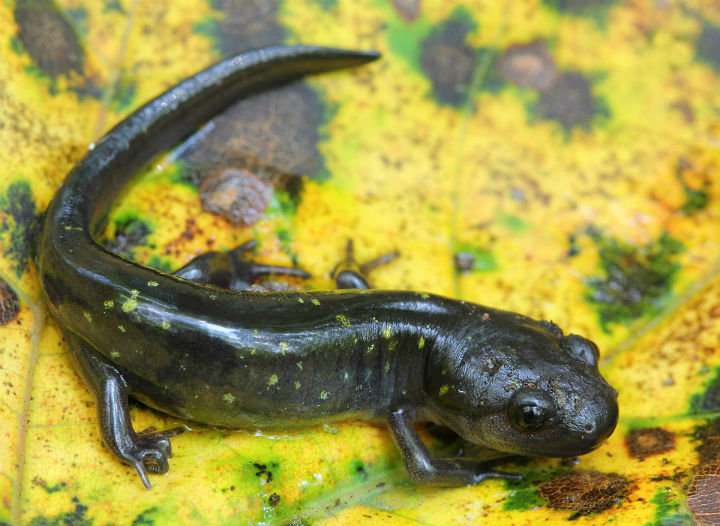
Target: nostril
column 589, row 427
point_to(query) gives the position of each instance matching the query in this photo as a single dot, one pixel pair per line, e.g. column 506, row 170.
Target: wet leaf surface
column 558, row 159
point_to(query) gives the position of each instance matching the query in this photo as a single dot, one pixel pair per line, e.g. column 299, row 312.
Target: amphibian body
column 192, row 347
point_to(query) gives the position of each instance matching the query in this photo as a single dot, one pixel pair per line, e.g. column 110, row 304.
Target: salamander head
column 519, row 386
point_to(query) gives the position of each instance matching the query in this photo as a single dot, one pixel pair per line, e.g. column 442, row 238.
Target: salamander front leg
column 231, row 269
column 145, row 451
column 348, row 274
column 424, row 468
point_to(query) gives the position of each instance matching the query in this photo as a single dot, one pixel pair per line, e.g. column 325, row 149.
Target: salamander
column 196, row 345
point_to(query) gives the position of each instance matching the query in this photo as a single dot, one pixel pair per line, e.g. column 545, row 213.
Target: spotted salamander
column 194, row 346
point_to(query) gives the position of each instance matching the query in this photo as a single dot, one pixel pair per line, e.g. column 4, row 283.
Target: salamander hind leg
column 349, row 274
column 232, row 270
column 147, row 451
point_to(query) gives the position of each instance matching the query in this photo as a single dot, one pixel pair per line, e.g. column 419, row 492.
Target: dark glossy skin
column 196, row 349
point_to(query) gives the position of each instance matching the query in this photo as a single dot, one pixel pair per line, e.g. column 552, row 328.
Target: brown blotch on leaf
column 48, row 38
column 649, row 441
column 448, row 61
column 528, row 66
column 274, row 133
column 569, row 101
column 408, row 10
column 239, row 196
column 247, row 24
column 9, row 304
column 703, row 494
column 585, row 492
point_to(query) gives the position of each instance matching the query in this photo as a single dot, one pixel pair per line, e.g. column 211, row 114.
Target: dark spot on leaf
column 696, row 195
column 471, row 258
column 144, row 518
column 528, row 66
column 275, row 135
column 635, row 278
column 649, row 441
column 77, row 517
column 708, row 45
column 124, row 93
column 448, row 61
column 18, row 219
column 579, row 7
column 585, row 492
column 113, row 5
column 245, row 24
column 49, row 489
column 274, row 500
column 408, row 10
column 9, row 304
column 568, row 101
column 130, row 232
column 79, row 19
column 48, row 37
column 702, row 493
column 708, row 401
column 326, row 5
column 239, row 196
column 263, row 471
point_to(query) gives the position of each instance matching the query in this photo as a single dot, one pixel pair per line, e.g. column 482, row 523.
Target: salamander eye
column 531, row 409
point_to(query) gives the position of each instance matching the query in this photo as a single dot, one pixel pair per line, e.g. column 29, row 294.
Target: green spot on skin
column 114, row 354
column 300, row 300
column 343, row 319
column 283, row 347
column 109, row 304
column 443, row 390
column 370, row 349
column 315, row 302
column 297, row 385
column 88, row 316
column 324, row 395
column 253, row 352
column 213, row 296
column 387, row 333
column 122, row 329
column 393, row 345
column 131, row 303
column 387, row 366
column 153, row 283
column 165, row 324
column 299, row 365
column 273, row 380
column 421, row 342
column 424, row 295
column 229, row 398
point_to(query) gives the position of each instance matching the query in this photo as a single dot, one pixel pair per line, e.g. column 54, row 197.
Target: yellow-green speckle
column 253, row 352
column 299, row 365
column 315, row 302
column 393, row 345
column 424, row 295
column 387, row 332
column 153, row 283
column 387, row 367
column 88, row 316
column 114, row 354
column 131, row 303
column 213, row 296
column 273, row 380
column 421, row 342
column 324, row 395
column 443, row 389
column 121, row 328
column 300, row 300
column 371, row 348
column 229, row 398
column 283, row 347
column 297, row 385
column 343, row 319
column 109, row 304
column 165, row 324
